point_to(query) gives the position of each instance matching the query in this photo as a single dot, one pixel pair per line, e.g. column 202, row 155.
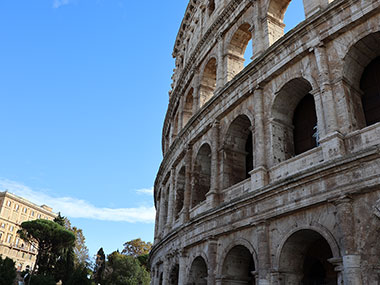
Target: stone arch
column 238, row 264
column 208, row 81
column 180, row 191
column 291, row 133
column 361, row 64
column 238, row 151
column 188, row 107
column 201, row 175
column 236, row 47
column 303, row 257
column 174, row 275
column 198, row 272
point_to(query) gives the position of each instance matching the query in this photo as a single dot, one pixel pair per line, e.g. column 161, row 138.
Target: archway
column 208, row 82
column 174, row 275
column 238, row 148
column 236, row 50
column 161, row 280
column 180, row 191
column 238, row 267
column 304, row 260
column 198, row 272
column 202, row 175
column 361, row 84
column 294, row 120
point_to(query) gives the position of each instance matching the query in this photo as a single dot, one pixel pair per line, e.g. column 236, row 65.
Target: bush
column 42, row 280
column 7, row 271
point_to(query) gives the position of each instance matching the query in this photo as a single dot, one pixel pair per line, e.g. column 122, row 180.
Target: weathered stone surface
column 243, row 196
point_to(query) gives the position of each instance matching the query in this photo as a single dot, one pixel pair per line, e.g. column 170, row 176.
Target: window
column 9, row 203
column 3, row 225
column 17, row 207
column 32, row 213
column 17, row 241
column 25, row 210
column 39, row 216
column 9, row 238
column 11, row 228
column 1, row 235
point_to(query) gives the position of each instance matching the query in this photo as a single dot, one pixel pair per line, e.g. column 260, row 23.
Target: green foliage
column 136, row 247
column 42, row 280
column 79, row 277
column 125, row 270
column 7, row 271
column 143, row 259
column 100, row 265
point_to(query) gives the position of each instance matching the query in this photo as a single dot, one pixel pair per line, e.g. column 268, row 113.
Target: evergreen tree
column 7, row 271
column 100, row 266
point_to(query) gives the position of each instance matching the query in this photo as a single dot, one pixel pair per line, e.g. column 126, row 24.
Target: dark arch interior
column 198, row 272
column 174, row 275
column 180, row 192
column 238, row 147
column 305, row 125
column 370, row 85
column 304, row 258
column 239, row 265
column 202, row 175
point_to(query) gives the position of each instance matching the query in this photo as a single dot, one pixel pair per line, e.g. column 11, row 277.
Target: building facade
column 271, row 170
column 13, row 211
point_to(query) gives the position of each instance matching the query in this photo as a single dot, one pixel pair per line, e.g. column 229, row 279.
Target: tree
column 125, row 270
column 136, row 247
column 50, row 239
column 7, row 271
column 100, row 265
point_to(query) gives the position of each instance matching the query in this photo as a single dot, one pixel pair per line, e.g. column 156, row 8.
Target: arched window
column 239, row 266
column 180, row 192
column 370, row 85
column 208, row 82
column 236, row 50
column 276, row 14
column 188, row 107
column 238, row 150
column 198, row 272
column 210, row 7
column 294, row 120
column 202, row 175
column 304, row 259
column 174, row 275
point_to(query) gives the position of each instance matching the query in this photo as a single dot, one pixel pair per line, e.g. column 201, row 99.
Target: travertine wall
column 308, row 217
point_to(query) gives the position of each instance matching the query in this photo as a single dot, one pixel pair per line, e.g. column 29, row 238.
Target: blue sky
column 84, row 89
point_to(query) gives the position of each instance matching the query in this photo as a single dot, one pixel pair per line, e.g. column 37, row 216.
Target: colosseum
column 271, row 169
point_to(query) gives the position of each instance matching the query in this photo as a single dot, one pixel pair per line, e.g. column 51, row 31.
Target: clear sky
column 84, row 89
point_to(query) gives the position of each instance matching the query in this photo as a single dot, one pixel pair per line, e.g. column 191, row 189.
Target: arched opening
column 175, row 127
column 161, row 280
column 276, row 15
column 236, row 50
column 180, row 192
column 174, row 275
column 238, row 150
column 361, row 84
column 305, row 125
column 208, row 82
column 198, row 272
column 370, row 85
column 188, row 107
column 202, row 175
column 210, row 7
column 304, row 260
column 294, row 120
column 238, row 267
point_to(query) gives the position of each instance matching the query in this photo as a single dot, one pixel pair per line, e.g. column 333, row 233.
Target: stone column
column 196, row 92
column 259, row 174
column 351, row 259
column 257, row 30
column 162, row 213
column 171, row 194
column 182, row 267
column 331, row 139
column 166, row 271
column 188, row 180
column 213, row 194
column 263, row 266
column 212, row 260
column 220, row 64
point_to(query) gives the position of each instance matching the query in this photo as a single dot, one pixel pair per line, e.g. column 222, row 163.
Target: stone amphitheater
column 271, row 169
